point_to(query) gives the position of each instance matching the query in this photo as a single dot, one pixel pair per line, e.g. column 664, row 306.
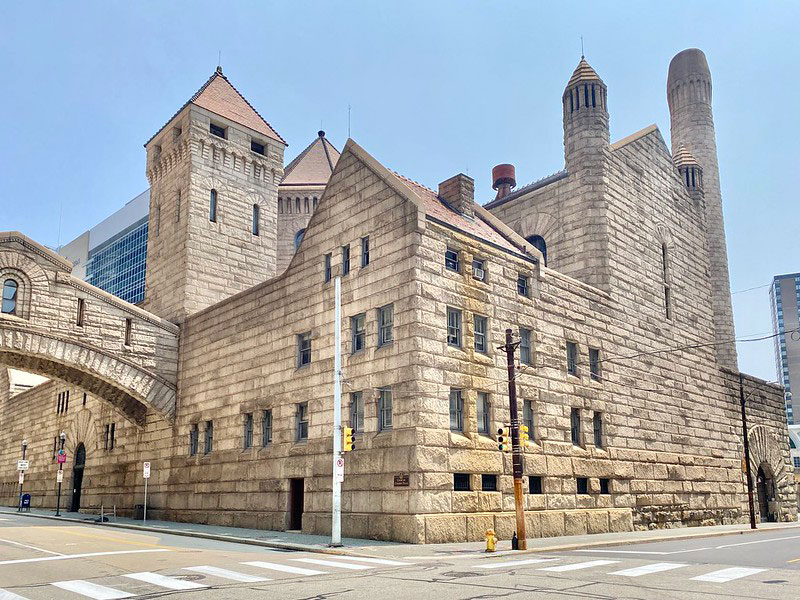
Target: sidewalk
column 318, row 543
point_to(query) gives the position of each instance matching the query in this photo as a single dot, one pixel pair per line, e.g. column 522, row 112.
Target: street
column 42, row 559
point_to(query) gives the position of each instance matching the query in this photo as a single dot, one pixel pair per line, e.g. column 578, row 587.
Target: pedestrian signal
column 348, row 442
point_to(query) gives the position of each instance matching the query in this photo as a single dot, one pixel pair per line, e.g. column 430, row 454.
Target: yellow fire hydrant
column 491, row 540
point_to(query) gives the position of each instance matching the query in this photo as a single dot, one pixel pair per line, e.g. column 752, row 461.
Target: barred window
column 527, row 418
column 384, row 409
column 364, row 250
column 248, row 431
column 328, row 272
column 266, row 427
column 597, row 426
column 575, row 426
column 209, row 440
column 385, row 324
column 594, row 364
column 345, row 260
column 484, row 413
column 572, row 358
column 357, row 412
column 194, row 439
column 456, row 410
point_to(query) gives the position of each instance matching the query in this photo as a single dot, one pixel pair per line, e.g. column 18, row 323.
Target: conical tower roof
column 314, row 165
column 583, row 72
column 683, row 157
column 218, row 95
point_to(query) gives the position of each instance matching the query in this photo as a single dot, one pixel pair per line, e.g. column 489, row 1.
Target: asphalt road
column 45, row 559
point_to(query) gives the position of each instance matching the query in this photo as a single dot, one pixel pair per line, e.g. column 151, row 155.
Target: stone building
column 605, row 272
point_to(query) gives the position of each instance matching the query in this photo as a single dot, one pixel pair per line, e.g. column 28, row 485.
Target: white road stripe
column 166, row 582
column 91, row 590
column 779, row 539
column 6, row 595
column 724, row 575
column 285, row 568
column 226, row 574
column 377, row 561
column 68, row 556
column 578, row 566
column 647, row 569
column 330, row 563
column 31, row 547
column 516, row 563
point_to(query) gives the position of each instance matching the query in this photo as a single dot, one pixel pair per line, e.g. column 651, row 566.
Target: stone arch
column 539, row 224
column 768, row 452
column 128, row 386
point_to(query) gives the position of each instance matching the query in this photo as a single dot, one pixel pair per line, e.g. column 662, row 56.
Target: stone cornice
column 15, row 236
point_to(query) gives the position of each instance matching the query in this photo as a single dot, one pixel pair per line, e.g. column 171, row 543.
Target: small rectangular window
column 385, row 324
column 128, row 328
column 597, row 426
column 359, row 330
column 84, row 398
column 583, row 485
column 266, row 427
column 209, row 440
column 357, row 412
column 248, row 431
column 461, row 482
column 81, row 309
column 113, row 436
column 481, row 344
column 194, row 438
column 484, row 413
column 364, row 251
column 212, row 207
column 667, row 308
column 478, row 269
column 107, row 436
column 257, row 148
column 575, row 426
column 489, row 482
column 594, row 364
column 304, row 349
column 572, row 358
column 302, row 421
column 605, row 486
column 328, row 272
column 345, row 260
column 451, row 260
column 524, row 346
column 256, row 219
column 217, row 130
column 522, row 285
column 527, row 418
column 534, row 484
column 384, row 409
column 456, row 410
column 453, row 327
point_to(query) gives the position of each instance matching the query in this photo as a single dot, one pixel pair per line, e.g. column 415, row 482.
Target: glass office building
column 118, row 265
column 784, row 295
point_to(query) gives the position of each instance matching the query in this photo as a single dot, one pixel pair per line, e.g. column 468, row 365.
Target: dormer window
column 217, row 130
column 257, row 148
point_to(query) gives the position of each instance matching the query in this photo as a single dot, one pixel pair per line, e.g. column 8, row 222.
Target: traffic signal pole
column 336, row 502
column 516, row 446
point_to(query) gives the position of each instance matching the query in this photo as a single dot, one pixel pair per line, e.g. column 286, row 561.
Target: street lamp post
column 22, row 475
column 63, row 438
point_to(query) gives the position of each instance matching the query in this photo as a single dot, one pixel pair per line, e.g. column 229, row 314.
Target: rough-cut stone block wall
column 289, row 223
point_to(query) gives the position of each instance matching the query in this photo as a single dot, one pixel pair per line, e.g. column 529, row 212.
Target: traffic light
column 349, row 442
column 503, row 439
column 523, row 434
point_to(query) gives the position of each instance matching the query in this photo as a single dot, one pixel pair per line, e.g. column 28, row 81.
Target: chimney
column 503, row 180
column 459, row 193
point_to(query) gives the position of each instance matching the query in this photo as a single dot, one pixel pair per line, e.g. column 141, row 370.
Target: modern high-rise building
column 784, row 296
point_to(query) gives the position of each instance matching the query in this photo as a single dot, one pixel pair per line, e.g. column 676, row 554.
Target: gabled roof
column 583, row 72
column 635, row 136
column 314, row 165
column 218, row 95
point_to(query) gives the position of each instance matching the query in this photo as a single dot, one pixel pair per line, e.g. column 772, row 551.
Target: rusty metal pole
column 747, row 455
column 516, row 448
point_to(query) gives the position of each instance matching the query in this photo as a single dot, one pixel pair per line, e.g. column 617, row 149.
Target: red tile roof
column 314, row 165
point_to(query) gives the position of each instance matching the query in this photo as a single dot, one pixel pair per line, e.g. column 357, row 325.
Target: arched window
column 298, row 237
column 315, row 203
column 538, row 242
column 255, row 219
column 280, row 206
column 212, row 207
column 665, row 278
column 10, row 287
column 305, row 205
column 297, row 205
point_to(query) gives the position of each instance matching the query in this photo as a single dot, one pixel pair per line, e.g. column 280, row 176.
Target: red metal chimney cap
column 504, row 174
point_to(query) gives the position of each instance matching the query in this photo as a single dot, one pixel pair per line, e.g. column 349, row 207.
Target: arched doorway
column 77, row 477
column 765, row 490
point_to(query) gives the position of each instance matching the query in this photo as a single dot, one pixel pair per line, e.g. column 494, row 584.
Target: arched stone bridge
column 59, row 326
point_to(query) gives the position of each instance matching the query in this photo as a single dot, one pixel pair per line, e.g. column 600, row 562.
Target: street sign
column 59, row 476
column 62, row 458
column 339, row 471
column 21, row 477
column 147, row 470
column 22, row 465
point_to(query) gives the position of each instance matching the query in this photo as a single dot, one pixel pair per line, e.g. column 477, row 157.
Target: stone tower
column 692, row 125
column 214, row 171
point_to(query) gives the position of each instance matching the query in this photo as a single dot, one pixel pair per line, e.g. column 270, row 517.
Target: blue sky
column 435, row 88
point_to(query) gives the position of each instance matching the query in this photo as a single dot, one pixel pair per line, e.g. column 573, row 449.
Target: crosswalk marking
column 516, row 563
column 330, row 563
column 724, row 575
column 285, row 568
column 647, row 569
column 377, row 561
column 226, row 574
column 91, row 590
column 577, row 566
column 166, row 582
column 6, row 595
